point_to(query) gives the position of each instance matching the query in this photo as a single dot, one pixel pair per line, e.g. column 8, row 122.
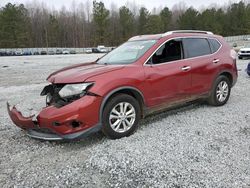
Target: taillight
column 233, row 54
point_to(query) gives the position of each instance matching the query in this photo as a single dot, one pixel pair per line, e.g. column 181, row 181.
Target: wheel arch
column 228, row 75
column 134, row 92
column 221, row 73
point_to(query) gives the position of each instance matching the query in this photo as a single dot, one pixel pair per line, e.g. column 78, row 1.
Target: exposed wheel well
column 136, row 94
column 229, row 76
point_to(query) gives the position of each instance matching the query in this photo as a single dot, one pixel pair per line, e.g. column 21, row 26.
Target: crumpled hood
column 80, row 73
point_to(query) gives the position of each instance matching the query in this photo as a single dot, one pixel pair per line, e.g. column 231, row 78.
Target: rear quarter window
column 214, row 44
column 195, row 47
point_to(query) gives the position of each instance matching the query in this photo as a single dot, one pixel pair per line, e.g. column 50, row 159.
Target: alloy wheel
column 122, row 117
column 222, row 91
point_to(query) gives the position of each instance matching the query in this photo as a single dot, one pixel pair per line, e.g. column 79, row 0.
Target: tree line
column 91, row 23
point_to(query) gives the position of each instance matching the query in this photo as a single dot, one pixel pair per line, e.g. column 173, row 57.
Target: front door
column 167, row 75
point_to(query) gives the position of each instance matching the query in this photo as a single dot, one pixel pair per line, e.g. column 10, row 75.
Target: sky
column 149, row 4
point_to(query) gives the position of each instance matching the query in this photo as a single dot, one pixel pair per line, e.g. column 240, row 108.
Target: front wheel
column 121, row 116
column 220, row 92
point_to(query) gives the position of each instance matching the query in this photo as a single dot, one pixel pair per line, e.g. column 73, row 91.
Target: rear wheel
column 220, row 92
column 121, row 116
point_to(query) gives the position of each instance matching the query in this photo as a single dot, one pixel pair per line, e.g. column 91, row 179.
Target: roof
column 158, row 36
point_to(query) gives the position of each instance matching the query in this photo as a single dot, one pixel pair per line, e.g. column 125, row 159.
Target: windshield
column 127, row 53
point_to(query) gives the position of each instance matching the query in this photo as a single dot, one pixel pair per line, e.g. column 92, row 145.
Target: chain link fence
column 238, row 41
column 237, row 38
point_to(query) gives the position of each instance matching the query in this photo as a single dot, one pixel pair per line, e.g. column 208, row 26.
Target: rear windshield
column 127, row 53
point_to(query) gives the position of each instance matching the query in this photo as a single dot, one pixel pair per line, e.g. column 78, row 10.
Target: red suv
column 146, row 74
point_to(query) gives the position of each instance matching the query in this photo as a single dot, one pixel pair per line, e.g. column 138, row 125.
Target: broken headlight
column 70, row 90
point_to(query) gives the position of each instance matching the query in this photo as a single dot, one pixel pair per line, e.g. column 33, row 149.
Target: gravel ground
column 193, row 146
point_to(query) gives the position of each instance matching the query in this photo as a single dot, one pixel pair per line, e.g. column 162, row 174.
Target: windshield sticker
column 136, row 47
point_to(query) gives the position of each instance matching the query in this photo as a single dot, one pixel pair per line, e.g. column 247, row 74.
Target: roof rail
column 187, row 31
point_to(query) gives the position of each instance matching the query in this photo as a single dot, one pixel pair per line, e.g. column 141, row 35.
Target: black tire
column 240, row 57
column 113, row 103
column 213, row 99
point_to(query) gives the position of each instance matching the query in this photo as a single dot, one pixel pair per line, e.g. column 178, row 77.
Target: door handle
column 216, row 61
column 185, row 68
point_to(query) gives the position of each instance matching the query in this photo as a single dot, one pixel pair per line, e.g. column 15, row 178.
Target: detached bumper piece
column 20, row 121
column 35, row 131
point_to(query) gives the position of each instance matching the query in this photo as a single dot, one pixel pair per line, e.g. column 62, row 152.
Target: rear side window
column 195, row 47
column 214, row 44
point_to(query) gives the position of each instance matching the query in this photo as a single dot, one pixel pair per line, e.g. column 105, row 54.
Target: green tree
column 153, row 25
column 237, row 19
column 211, row 20
column 220, row 17
column 248, row 18
column 166, row 16
column 14, row 22
column 101, row 19
column 188, row 20
column 38, row 26
column 142, row 20
column 126, row 19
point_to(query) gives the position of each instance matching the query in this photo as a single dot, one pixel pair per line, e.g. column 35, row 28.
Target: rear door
column 204, row 64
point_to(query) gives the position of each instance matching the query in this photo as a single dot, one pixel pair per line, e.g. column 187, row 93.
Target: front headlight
column 74, row 89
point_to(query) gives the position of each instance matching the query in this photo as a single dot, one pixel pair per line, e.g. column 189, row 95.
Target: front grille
column 245, row 52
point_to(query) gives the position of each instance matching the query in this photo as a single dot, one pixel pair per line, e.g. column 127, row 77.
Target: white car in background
column 102, row 49
column 88, row 50
column 65, row 51
column 247, row 39
column 18, row 52
column 244, row 52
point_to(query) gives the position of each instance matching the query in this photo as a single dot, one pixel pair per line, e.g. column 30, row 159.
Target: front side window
column 195, row 47
column 170, row 51
column 127, row 53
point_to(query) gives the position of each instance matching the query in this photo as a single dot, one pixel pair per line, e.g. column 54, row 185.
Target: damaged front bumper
column 73, row 121
column 19, row 120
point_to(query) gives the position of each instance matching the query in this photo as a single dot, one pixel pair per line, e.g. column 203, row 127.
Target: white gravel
column 194, row 146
